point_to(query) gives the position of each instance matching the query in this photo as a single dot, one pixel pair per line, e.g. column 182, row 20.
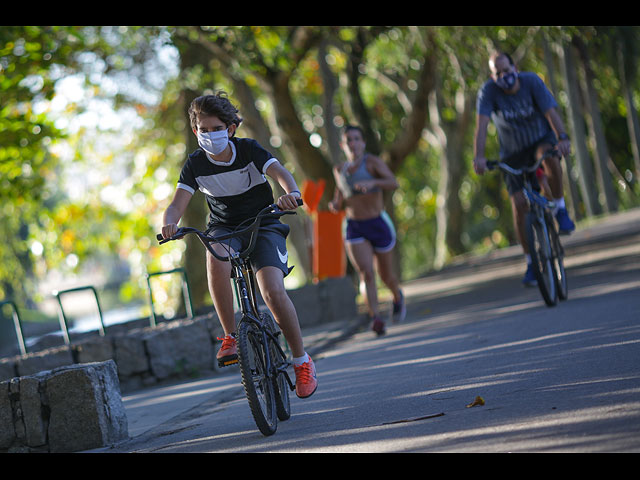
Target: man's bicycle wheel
column 540, row 251
column 258, row 386
column 557, row 254
column 279, row 360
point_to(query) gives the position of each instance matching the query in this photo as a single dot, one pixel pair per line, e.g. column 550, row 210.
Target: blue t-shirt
column 519, row 118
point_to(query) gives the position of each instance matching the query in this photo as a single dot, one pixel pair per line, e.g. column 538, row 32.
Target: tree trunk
column 603, row 159
column 585, row 170
column 569, row 167
column 449, row 211
column 309, row 159
column 626, row 79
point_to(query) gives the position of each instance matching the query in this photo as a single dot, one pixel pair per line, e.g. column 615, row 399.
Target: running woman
column 370, row 236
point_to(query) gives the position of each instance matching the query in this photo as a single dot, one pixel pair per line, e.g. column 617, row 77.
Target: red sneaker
column 228, row 353
column 306, row 382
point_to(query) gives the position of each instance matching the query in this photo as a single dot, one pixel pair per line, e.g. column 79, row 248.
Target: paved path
column 151, row 408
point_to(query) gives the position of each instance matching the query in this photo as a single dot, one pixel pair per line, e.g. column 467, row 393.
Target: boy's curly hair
column 217, row 105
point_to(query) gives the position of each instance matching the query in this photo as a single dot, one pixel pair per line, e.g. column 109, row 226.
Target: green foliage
column 50, row 221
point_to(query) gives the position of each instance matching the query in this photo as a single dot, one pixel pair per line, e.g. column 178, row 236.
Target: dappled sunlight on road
column 476, row 351
column 604, row 289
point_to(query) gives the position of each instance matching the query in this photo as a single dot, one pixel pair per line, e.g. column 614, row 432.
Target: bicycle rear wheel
column 258, row 385
column 540, row 251
column 557, row 257
column 282, row 384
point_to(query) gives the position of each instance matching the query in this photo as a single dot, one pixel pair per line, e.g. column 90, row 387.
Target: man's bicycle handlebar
column 491, row 164
column 271, row 211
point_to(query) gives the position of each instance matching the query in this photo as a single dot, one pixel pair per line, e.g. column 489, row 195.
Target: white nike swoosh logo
column 283, row 257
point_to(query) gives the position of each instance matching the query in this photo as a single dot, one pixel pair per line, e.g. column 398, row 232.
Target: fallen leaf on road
column 476, row 402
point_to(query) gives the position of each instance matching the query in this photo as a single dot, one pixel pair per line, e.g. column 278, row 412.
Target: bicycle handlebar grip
column 161, row 239
column 491, row 164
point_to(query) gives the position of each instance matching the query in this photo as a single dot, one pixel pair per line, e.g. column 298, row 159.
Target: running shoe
column 399, row 310
column 228, row 353
column 529, row 279
column 378, row 326
column 565, row 224
column 306, row 382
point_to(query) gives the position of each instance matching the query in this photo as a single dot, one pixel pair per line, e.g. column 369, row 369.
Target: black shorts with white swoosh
column 271, row 244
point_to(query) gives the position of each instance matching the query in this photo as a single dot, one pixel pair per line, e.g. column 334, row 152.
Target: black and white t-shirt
column 235, row 190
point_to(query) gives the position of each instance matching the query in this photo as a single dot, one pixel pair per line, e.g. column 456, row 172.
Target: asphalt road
column 560, row 379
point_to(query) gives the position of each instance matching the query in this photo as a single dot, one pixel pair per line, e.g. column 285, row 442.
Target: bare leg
column 553, row 170
column 218, row 280
column 361, row 255
column 519, row 209
column 384, row 262
column 271, row 284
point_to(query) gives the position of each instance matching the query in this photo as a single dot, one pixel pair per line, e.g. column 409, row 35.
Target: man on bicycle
column 231, row 171
column 528, row 125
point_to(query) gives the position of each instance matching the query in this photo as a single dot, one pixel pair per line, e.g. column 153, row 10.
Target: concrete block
column 93, row 349
column 86, row 409
column 180, row 348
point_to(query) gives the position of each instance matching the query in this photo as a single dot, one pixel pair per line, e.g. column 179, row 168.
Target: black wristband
column 563, row 136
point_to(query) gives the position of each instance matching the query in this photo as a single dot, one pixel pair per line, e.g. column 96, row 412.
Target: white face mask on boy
column 213, row 143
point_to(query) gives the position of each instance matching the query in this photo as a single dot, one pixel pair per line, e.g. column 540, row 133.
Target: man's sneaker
column 399, row 310
column 306, row 382
column 565, row 224
column 378, row 326
column 529, row 279
column 228, row 353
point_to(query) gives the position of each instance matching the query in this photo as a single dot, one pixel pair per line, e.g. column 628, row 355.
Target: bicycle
column 545, row 248
column 262, row 361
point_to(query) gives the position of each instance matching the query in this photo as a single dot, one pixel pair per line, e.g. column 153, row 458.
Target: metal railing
column 63, row 318
column 186, row 293
column 17, row 322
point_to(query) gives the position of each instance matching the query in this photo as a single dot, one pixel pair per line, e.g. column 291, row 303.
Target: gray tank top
column 346, row 181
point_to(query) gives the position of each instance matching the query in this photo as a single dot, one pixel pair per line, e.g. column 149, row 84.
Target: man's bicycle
column 263, row 362
column 547, row 253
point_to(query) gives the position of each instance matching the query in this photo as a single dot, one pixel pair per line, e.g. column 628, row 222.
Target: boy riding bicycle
column 231, row 171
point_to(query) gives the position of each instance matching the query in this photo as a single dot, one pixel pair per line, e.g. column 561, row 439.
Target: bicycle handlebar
column 491, row 164
column 271, row 211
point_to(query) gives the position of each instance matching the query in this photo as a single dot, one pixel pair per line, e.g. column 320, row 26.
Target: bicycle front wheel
column 557, row 259
column 258, row 385
column 540, row 251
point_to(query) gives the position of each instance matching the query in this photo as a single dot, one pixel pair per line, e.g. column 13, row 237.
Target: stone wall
column 178, row 349
column 67, row 409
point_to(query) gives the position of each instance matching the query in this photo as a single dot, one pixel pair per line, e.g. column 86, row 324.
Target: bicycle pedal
column 226, row 363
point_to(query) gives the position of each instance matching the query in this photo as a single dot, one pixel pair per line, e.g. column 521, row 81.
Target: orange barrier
column 312, row 193
column 329, row 259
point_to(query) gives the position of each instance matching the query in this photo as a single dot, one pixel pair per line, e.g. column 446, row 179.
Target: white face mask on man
column 213, row 143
